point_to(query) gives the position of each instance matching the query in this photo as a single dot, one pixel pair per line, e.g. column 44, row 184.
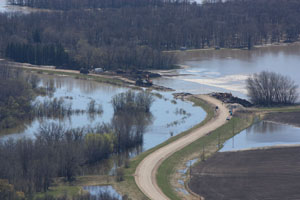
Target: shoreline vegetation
column 119, row 79
column 112, row 78
column 276, row 44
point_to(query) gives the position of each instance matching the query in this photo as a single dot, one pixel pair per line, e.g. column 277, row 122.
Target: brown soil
column 256, row 174
column 292, row 118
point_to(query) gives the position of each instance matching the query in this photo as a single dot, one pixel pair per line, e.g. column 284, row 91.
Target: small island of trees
column 271, row 89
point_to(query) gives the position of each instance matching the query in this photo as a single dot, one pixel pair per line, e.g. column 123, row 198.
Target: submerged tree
column 129, row 129
column 131, row 117
column 132, row 102
column 270, row 88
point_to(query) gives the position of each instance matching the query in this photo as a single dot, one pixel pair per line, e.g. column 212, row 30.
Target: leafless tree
column 270, row 88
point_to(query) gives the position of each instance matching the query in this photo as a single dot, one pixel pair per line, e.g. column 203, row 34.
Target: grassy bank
column 293, row 108
column 209, row 143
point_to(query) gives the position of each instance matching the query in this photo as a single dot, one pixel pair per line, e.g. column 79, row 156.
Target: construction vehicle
column 144, row 82
column 83, row 71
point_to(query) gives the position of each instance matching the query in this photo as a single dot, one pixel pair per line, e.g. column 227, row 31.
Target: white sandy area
column 203, row 72
column 230, row 82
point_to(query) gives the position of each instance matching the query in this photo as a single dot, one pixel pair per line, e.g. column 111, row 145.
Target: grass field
column 280, row 109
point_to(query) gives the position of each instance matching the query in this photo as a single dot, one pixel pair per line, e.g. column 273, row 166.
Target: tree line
column 38, row 54
column 135, row 37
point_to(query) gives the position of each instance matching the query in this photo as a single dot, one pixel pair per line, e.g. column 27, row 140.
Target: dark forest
column 116, row 34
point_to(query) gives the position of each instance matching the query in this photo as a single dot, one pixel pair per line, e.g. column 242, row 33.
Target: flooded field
column 168, row 116
column 263, row 134
column 226, row 70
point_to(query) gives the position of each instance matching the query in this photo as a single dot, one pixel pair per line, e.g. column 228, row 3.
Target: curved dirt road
column 145, row 174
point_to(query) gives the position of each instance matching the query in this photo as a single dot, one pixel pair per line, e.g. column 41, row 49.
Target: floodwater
column 226, row 70
column 169, row 116
column 263, row 134
column 98, row 190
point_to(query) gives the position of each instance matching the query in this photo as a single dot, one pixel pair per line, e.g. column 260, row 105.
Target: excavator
column 144, row 82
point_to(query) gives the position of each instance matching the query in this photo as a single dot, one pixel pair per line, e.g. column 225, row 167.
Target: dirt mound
column 228, row 98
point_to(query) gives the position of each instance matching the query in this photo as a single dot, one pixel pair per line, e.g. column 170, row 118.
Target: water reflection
column 81, row 92
column 130, row 128
column 263, row 134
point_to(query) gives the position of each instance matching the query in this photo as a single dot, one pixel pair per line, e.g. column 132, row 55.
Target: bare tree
column 270, row 88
